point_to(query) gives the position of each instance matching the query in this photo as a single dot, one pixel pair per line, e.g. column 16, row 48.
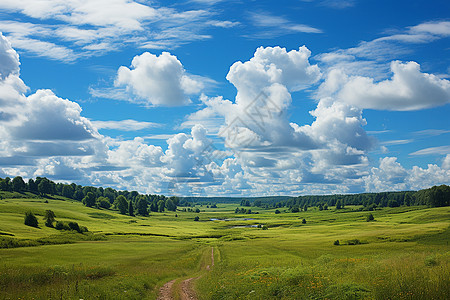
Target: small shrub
column 196, row 218
column 353, row 242
column 277, row 212
column 31, row 220
column 303, row 221
column 431, row 261
column 74, row 226
column 370, row 218
column 259, row 226
column 265, row 227
column 336, row 243
column 60, row 225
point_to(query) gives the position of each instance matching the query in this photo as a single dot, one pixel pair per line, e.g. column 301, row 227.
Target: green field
column 403, row 254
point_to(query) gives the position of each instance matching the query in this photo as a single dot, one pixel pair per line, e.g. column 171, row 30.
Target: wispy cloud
column 441, row 150
column 124, row 125
column 369, row 58
column 396, row 142
column 158, row 136
column 277, row 26
column 432, row 132
column 338, row 4
column 86, row 29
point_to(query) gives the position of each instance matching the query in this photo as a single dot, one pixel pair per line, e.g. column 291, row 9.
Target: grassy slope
column 404, row 246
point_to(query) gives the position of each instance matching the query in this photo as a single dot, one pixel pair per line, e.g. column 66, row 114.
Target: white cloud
column 224, row 24
column 446, row 162
column 124, row 125
column 263, row 153
column 94, row 27
column 257, row 127
column 338, row 4
column 277, row 26
column 420, row 178
column 44, row 48
column 433, row 151
column 391, row 176
column 159, row 80
column 9, row 59
column 408, row 89
column 437, row 28
column 396, row 142
column 135, row 153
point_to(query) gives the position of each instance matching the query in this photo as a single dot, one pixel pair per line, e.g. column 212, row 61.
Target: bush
column 354, row 242
column 60, row 225
column 370, row 218
column 31, row 220
column 196, row 218
column 71, row 226
column 431, row 261
column 303, row 221
column 265, row 227
column 336, row 243
column 74, row 226
column 277, row 212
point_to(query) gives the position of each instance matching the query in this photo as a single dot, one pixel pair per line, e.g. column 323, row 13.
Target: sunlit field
column 402, row 254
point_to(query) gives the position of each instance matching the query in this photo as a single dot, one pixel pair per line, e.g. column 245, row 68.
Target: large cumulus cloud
column 158, row 80
column 408, row 89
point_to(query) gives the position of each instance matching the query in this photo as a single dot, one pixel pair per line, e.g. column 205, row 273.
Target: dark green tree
column 49, row 218
column 121, row 204
column 103, row 202
column 18, row 185
column 3, row 185
column 31, row 220
column 170, row 205
column 67, row 191
column 161, row 205
column 89, row 200
column 130, row 208
column 304, row 221
column 142, row 206
column 44, row 187
column 154, row 206
column 32, row 186
column 78, row 194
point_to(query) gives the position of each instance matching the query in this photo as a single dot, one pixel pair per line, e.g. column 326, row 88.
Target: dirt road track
column 185, row 289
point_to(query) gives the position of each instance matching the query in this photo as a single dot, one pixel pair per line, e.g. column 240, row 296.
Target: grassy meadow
column 403, row 254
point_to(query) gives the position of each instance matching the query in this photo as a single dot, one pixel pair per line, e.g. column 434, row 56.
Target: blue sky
column 210, row 97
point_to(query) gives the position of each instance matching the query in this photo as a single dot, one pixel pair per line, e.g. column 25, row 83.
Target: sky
column 227, row 98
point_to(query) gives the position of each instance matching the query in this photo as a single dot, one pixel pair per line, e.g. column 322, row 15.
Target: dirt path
column 187, row 293
column 186, row 290
column 165, row 292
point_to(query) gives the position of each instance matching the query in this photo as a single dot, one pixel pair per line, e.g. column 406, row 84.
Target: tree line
column 125, row 202
column 433, row 197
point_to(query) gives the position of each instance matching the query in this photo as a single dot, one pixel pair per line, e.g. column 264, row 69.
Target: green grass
column 403, row 254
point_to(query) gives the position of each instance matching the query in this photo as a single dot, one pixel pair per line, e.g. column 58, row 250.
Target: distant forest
column 130, row 202
column 433, row 197
column 126, row 202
